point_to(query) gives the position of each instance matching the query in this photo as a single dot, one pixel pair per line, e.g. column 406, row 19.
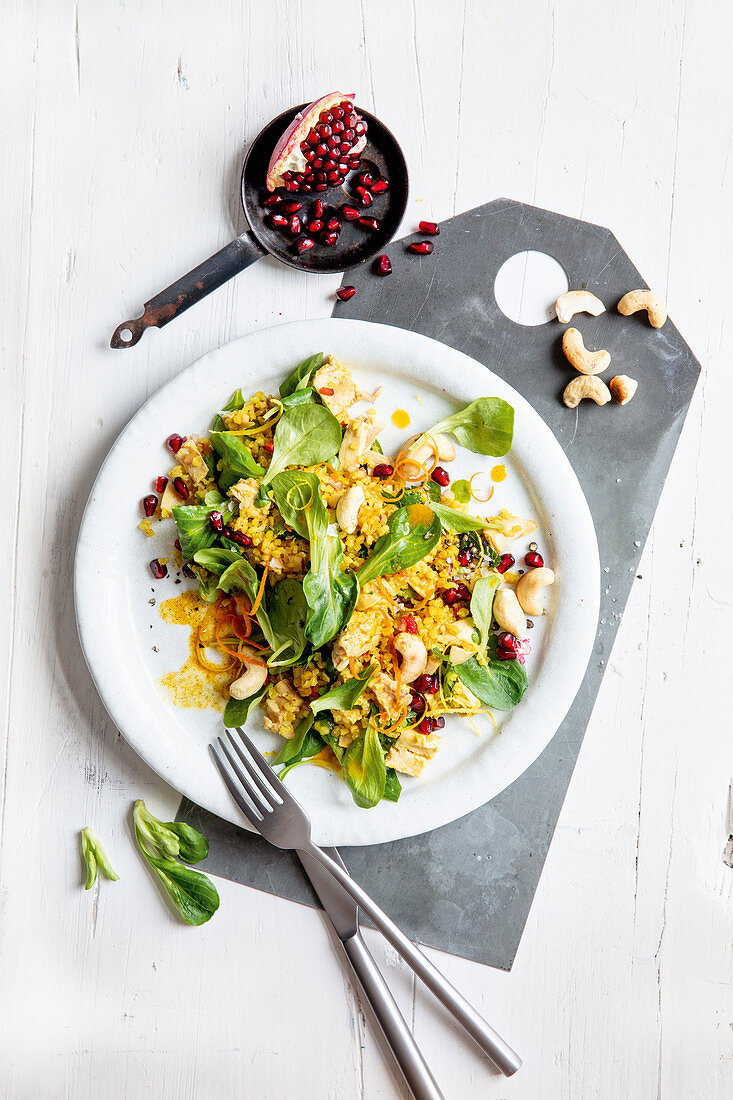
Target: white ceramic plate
column 119, row 628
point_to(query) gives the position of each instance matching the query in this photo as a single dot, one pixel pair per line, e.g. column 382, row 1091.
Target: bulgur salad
column 351, row 595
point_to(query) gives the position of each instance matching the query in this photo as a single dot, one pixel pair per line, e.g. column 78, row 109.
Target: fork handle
column 492, row 1044
column 400, row 1039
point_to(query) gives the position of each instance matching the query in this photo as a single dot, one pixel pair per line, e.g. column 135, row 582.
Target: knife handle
column 420, row 1080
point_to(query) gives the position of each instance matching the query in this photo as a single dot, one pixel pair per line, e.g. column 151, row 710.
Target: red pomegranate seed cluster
column 509, row 648
column 327, row 148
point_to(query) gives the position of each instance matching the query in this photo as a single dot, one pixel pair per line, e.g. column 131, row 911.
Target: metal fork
column 279, row 818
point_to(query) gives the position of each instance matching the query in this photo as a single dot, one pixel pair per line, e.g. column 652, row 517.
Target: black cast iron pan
column 382, row 156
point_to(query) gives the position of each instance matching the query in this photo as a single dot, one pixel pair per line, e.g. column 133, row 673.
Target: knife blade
column 343, row 914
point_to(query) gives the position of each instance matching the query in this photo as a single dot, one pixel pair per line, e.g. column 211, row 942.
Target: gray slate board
column 467, row 888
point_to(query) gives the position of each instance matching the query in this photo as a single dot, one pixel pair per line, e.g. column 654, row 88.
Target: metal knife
column 344, row 916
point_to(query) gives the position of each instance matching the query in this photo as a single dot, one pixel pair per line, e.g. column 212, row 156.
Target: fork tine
column 234, row 791
column 257, row 758
column 261, row 805
column 254, row 774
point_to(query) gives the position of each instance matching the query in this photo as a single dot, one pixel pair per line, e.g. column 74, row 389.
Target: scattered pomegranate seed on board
column 384, row 265
column 422, row 248
column 345, row 292
column 430, row 229
column 349, row 212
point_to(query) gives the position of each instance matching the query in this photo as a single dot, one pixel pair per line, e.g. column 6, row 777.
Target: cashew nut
column 253, row 677
column 508, row 612
column 622, row 388
column 347, row 509
column 414, row 656
column 577, row 301
column 424, row 454
column 529, row 586
column 584, row 386
column 462, row 631
column 576, row 353
column 644, row 299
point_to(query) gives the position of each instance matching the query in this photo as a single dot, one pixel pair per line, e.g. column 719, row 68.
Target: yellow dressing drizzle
column 191, row 686
column 498, row 473
column 400, row 418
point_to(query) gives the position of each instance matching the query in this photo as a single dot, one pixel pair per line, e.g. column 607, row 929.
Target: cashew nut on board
column 644, row 299
column 576, row 353
column 529, row 587
column 585, row 386
column 253, row 677
column 347, row 509
column 622, row 388
column 414, row 656
column 508, row 612
column 577, row 301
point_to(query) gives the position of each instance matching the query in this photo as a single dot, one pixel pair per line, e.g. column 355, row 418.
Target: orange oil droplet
column 400, row 418
column 498, row 473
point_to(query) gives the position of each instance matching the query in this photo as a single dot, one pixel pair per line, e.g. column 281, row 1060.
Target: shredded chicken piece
column 355, row 638
column 190, row 457
column 334, row 377
column 276, row 707
column 389, row 698
column 412, row 750
column 358, row 439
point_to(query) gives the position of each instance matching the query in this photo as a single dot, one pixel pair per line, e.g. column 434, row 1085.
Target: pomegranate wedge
column 312, row 130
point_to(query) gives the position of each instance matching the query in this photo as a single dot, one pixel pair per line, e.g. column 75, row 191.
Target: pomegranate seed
column 188, row 571
column 317, row 163
column 240, row 539
column 216, row 520
column 440, row 476
column 345, row 292
column 434, row 684
column 306, row 187
column 449, row 596
column 325, row 116
column 312, row 139
column 361, row 127
column 287, row 176
column 383, row 470
column 278, row 221
column 365, row 180
column 384, row 265
column 158, row 569
column 426, row 726
column 350, row 213
column 430, row 229
column 291, row 185
column 150, row 503
column 273, row 200
column 335, row 177
column 174, row 443
column 417, row 703
column 423, row 248
column 338, row 112
column 318, row 209
column 160, row 484
column 508, row 641
column 292, row 207
column 506, row 561
column 181, row 488
column 333, row 142
column 177, row 544
column 408, row 623
column 533, row 559
column 365, row 197
column 379, row 186
column 464, row 558
column 338, row 126
column 354, row 163
column 334, row 224
column 304, row 244
column 322, row 149
column 294, row 225
column 343, row 167
column 422, row 683
column 269, row 447
column 505, row 654
column 439, row 722
column 329, row 238
column 315, row 226
column 462, row 592
column 321, row 187
column 324, row 130
column 368, row 223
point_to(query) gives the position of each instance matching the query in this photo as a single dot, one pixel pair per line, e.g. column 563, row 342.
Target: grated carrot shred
column 479, row 500
column 260, row 591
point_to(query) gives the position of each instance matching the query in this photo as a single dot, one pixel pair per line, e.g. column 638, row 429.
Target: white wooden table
column 122, row 134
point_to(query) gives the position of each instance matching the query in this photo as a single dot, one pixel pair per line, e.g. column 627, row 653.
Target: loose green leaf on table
column 485, row 426
column 364, row 769
column 299, row 378
column 193, row 894
column 403, row 545
column 94, row 857
column 305, row 435
column 343, row 696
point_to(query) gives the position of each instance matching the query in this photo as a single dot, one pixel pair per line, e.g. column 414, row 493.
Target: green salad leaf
column 403, row 545
column 344, row 696
column 299, row 397
column 392, row 786
column 364, row 769
column 482, row 601
column 236, row 712
column 194, row 530
column 94, row 857
column 498, row 684
column 453, row 520
column 299, row 378
column 287, row 610
column 305, row 435
column 162, row 843
column 294, row 492
column 305, row 743
column 237, row 462
column 485, row 426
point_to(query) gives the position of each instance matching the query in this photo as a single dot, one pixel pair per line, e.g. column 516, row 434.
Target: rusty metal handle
column 189, row 289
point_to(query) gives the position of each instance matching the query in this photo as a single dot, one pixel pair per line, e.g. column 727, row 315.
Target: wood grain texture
column 123, row 128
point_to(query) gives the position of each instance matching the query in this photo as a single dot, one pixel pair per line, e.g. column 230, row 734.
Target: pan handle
column 190, row 288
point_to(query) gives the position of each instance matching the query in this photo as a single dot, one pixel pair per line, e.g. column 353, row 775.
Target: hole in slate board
column 527, row 285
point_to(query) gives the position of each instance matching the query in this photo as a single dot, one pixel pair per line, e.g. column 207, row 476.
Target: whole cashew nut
column 585, row 386
column 347, row 509
column 576, row 353
column 644, row 299
column 462, row 631
column 414, row 656
column 253, row 677
column 577, row 301
column 530, row 585
column 508, row 612
column 622, row 388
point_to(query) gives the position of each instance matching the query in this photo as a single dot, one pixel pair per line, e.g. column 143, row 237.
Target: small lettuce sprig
column 163, row 844
column 95, row 857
